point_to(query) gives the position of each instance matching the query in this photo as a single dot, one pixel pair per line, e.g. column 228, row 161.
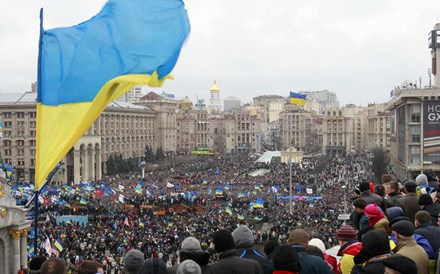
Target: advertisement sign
column 431, row 131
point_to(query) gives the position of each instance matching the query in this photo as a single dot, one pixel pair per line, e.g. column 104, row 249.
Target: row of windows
column 10, row 115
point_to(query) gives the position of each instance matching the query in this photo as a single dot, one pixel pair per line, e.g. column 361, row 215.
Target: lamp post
column 142, row 165
column 290, row 180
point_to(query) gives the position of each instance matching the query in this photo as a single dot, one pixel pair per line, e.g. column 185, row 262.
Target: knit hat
column 346, row 233
column 190, row 244
column 404, row 228
column 133, row 261
column 243, row 236
column 188, row 267
column 394, row 212
column 223, row 240
column 286, row 258
column 318, row 243
column 410, row 186
column 425, row 199
column 154, row 266
column 364, row 186
column 421, row 179
column 35, row 264
column 400, row 263
column 373, row 211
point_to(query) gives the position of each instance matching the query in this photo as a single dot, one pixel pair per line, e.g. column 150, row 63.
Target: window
column 415, row 134
column 8, row 124
column 7, row 115
column 6, row 143
column 32, row 124
column 20, row 114
column 33, row 114
column 415, row 113
column 32, row 143
column 415, row 155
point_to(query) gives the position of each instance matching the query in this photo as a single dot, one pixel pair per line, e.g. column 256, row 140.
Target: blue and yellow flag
column 228, row 210
column 297, row 98
column 83, row 201
column 59, row 244
column 81, row 69
column 31, row 251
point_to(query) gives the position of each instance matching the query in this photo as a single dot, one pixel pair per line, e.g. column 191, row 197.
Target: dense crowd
column 236, row 211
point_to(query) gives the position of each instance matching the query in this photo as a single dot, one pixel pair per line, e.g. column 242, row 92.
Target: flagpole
column 290, row 181
column 35, row 199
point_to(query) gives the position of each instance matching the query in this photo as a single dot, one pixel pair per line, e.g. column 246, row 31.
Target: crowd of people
column 243, row 223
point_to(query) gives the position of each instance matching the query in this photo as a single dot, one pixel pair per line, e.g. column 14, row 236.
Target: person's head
column 376, row 242
column 410, row 186
column 298, row 237
column 372, row 211
column 270, row 246
column 394, row 212
column 318, row 243
column 398, row 264
column 154, row 266
column 133, row 261
column 35, row 264
column 90, row 267
column 393, row 187
column 243, row 236
column 425, row 200
column 346, row 233
column 379, row 190
column 54, row 266
column 422, row 217
column 421, row 179
column 286, row 258
column 359, row 205
column 190, row 244
column 364, row 186
column 223, row 241
column 188, row 267
column 404, row 230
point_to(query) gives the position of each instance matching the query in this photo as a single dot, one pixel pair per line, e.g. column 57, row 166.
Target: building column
column 86, row 162
column 23, row 246
column 98, row 164
column 15, row 262
column 76, row 167
column 91, row 167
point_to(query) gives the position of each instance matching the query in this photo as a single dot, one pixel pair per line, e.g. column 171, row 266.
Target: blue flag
column 81, row 69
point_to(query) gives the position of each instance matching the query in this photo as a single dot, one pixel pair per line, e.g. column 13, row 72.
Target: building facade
column 215, row 104
column 293, row 124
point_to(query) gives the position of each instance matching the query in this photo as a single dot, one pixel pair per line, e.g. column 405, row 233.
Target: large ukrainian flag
column 81, row 69
column 297, row 98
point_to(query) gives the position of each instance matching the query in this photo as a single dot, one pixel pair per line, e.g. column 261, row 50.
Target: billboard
column 431, row 131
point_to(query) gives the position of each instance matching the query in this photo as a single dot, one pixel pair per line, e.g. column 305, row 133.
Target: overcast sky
column 358, row 49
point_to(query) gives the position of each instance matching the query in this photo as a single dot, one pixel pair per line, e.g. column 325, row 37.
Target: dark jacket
column 230, row 263
column 410, row 205
column 200, row 257
column 433, row 210
column 431, row 233
column 373, row 265
column 311, row 264
column 253, row 254
column 371, row 198
column 394, row 196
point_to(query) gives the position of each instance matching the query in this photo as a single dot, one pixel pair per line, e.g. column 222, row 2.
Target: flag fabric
column 241, row 195
column 297, row 98
column 81, row 69
column 121, row 187
column 58, row 244
column 170, row 224
column 229, row 210
column 309, row 190
column 121, row 198
column 48, row 246
column 31, row 251
column 126, row 221
column 170, row 185
column 55, row 252
column 83, row 201
column 240, row 217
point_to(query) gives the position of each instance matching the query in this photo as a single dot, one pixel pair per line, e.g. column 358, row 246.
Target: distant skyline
column 360, row 50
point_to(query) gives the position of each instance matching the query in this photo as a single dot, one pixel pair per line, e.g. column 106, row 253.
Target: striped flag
column 59, row 244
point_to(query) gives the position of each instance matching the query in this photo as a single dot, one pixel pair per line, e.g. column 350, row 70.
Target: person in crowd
column 244, row 239
column 189, row 267
column 426, row 203
column 361, row 219
column 370, row 198
column 380, row 190
column 398, row 264
column 376, row 218
column 286, row 260
column 270, row 246
column 331, row 260
column 427, row 230
column 54, row 265
column 299, row 239
column 393, row 193
column 192, row 250
column 154, row 266
column 410, row 202
column 407, row 246
column 90, row 267
column 228, row 261
column 133, row 261
column 349, row 247
column 35, row 264
column 375, row 249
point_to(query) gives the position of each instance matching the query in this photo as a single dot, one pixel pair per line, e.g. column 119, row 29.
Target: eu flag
column 81, row 69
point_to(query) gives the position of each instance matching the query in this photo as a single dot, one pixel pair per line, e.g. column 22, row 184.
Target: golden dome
column 214, row 88
column 186, row 103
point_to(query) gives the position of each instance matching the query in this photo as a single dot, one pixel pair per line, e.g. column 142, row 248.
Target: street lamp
column 142, row 165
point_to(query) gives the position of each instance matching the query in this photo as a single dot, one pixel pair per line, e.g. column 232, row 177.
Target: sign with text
column 431, row 131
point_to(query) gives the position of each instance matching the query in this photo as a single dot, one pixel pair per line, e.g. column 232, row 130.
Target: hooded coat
column 244, row 240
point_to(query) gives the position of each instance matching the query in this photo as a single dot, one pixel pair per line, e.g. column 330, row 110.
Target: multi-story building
column 378, row 131
column 293, row 127
column 132, row 96
column 231, row 103
column 270, row 106
column 326, row 99
column 122, row 128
